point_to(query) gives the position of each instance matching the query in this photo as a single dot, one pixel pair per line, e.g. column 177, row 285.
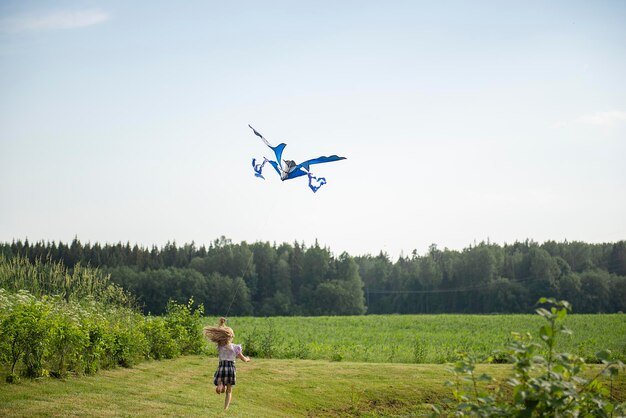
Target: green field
column 265, row 388
column 319, row 366
column 416, row 338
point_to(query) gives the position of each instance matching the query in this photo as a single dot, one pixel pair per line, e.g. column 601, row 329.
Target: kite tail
column 316, row 182
column 258, row 168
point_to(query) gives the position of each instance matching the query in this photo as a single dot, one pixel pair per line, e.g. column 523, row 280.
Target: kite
column 290, row 170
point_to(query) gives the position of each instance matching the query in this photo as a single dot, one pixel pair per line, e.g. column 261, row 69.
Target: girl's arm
column 240, row 356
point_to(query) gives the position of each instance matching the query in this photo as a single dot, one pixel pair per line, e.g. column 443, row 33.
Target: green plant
column 550, row 384
column 66, row 339
column 250, row 344
column 419, row 350
column 301, row 349
column 336, row 353
column 393, row 351
column 24, row 325
column 441, row 335
column 269, row 340
column 12, row 319
column 78, row 322
column 50, row 278
column 161, row 344
column 185, row 326
column 93, row 351
column 469, row 390
column 128, row 344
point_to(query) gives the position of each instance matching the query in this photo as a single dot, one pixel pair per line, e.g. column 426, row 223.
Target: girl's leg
column 229, row 395
column 219, row 388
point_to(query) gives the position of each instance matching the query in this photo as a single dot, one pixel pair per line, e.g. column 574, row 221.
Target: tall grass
column 54, row 278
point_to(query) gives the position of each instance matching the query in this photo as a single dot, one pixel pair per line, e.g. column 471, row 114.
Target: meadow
column 433, row 339
column 319, row 367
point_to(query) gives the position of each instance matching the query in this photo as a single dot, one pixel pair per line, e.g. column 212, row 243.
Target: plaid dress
column 226, row 373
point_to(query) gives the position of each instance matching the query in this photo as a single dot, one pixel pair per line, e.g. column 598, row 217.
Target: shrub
column 79, row 322
column 269, row 340
column 548, row 384
column 95, row 327
column 185, row 326
column 24, row 327
column 66, row 339
column 250, row 343
column 161, row 344
column 49, row 336
column 126, row 345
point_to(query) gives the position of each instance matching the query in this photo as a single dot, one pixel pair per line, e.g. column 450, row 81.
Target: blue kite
column 290, row 170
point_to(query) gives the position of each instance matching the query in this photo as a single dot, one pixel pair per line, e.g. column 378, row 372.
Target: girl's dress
column 226, row 374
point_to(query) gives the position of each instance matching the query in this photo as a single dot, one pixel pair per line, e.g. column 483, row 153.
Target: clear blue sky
column 460, row 121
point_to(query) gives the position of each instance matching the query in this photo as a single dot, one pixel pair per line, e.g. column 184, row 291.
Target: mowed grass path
column 183, row 387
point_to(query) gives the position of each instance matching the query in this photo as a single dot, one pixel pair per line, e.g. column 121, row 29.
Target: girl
column 225, row 375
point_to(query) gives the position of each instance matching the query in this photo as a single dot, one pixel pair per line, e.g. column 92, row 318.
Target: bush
column 161, row 344
column 185, row 326
column 66, row 339
column 125, row 345
column 24, row 330
column 269, row 340
column 548, row 384
column 24, row 327
column 79, row 322
column 49, row 336
column 250, row 343
column 95, row 327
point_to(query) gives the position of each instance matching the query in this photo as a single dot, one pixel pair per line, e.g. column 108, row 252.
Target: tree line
column 294, row 279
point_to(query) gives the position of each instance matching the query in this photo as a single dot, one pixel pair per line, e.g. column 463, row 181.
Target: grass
column 266, row 388
column 416, row 338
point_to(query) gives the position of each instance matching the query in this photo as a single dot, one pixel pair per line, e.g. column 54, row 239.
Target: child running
column 225, row 376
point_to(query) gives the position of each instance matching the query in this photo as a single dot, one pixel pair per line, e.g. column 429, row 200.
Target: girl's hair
column 221, row 334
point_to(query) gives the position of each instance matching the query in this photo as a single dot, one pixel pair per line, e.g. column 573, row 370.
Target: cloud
column 54, row 21
column 606, row 119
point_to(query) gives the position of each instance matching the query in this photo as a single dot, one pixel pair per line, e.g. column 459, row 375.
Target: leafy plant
column 76, row 321
column 419, row 350
column 250, row 344
column 184, row 323
column 94, row 325
column 126, row 345
column 336, row 355
column 161, row 344
column 24, row 327
column 550, row 384
column 269, row 340
column 301, row 349
column 66, row 339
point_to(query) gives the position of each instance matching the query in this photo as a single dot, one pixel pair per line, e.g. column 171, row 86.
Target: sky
column 460, row 122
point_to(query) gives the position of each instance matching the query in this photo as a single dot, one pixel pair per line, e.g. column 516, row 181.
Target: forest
column 269, row 279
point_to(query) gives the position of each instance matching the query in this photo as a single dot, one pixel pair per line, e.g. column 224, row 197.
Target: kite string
column 237, row 287
column 247, row 267
column 258, row 174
